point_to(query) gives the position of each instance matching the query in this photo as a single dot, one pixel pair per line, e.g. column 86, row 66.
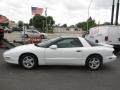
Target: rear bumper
column 110, row 59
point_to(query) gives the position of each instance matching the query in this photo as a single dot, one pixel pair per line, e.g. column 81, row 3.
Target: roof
column 70, row 36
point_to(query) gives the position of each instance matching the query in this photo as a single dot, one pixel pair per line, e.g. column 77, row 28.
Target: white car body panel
column 64, row 56
column 16, row 52
column 60, row 56
column 107, row 45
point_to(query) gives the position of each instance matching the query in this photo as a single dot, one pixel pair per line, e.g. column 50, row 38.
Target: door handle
column 78, row 51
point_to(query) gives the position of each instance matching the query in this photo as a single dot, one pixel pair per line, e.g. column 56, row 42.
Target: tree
column 64, row 25
column 50, row 23
column 42, row 23
column 72, row 26
column 31, row 22
column 20, row 24
column 83, row 25
column 26, row 25
column 38, row 22
column 4, row 24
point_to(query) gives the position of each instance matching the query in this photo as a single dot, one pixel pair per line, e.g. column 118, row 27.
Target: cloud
column 103, row 4
column 74, row 5
column 14, row 3
column 63, row 11
column 53, row 1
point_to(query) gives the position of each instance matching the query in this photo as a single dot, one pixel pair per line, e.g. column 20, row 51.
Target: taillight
column 106, row 38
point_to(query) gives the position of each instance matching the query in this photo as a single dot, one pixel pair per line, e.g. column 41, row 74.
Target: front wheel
column 42, row 37
column 28, row 61
column 25, row 36
column 94, row 62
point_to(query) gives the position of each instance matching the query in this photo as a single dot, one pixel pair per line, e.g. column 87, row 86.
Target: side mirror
column 53, row 47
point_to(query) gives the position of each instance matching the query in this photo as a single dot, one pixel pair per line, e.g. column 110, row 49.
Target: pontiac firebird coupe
column 61, row 51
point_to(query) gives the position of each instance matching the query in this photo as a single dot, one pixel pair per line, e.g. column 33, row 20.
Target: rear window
column 93, row 43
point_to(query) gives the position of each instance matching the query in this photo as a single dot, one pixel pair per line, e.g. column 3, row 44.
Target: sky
column 68, row 12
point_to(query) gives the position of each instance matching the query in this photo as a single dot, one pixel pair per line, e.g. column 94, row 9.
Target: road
column 13, row 77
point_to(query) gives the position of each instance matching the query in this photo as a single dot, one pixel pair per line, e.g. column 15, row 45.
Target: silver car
column 33, row 33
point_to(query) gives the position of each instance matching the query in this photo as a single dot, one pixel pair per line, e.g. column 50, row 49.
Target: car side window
column 68, row 43
column 76, row 43
column 34, row 31
column 29, row 31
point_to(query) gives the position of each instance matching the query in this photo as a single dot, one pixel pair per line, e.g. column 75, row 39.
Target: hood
column 21, row 48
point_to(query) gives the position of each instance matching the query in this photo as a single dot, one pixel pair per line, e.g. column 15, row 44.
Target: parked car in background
column 61, row 51
column 33, row 33
column 17, row 29
column 7, row 30
column 1, row 33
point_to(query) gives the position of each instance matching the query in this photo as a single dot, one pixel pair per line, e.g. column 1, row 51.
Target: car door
column 29, row 33
column 36, row 33
column 68, row 52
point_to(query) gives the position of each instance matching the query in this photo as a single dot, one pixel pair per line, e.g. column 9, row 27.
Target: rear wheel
column 28, row 61
column 94, row 62
column 25, row 36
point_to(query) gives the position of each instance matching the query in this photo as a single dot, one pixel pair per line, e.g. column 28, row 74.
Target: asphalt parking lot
column 13, row 77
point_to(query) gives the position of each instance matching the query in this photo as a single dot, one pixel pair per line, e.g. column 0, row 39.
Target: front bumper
column 10, row 59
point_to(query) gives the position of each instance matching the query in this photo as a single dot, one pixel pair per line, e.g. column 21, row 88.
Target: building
column 12, row 24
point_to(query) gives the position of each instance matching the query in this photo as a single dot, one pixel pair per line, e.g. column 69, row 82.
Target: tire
column 28, row 61
column 42, row 36
column 116, row 51
column 1, row 36
column 94, row 62
column 26, row 36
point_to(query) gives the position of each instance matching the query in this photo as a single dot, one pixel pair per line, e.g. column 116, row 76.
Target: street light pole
column 88, row 14
column 117, row 13
column 112, row 15
column 46, row 20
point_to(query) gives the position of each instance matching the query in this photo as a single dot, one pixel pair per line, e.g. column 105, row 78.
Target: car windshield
column 47, row 43
column 93, row 43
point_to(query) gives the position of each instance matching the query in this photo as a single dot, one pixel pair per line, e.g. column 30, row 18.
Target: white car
column 107, row 45
column 61, row 51
column 33, row 33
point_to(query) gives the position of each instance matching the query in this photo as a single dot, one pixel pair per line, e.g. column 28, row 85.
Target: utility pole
column 117, row 13
column 112, row 15
column 43, row 26
column 46, row 21
column 88, row 14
